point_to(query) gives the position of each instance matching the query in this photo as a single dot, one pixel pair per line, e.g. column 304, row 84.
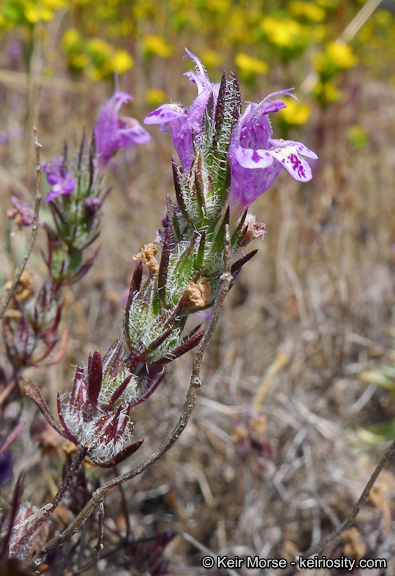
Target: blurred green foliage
column 294, row 38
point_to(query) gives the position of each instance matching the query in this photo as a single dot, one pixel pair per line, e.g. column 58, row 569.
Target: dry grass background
column 308, row 314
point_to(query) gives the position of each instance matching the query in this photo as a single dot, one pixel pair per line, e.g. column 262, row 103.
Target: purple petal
column 131, row 133
column 200, row 78
column 113, row 132
column 289, row 154
column 26, row 213
column 248, row 158
column 61, row 186
column 53, row 166
column 121, row 98
column 165, row 113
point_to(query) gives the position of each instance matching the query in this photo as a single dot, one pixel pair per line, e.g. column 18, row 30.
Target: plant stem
column 63, row 488
column 186, row 412
column 333, row 536
column 29, row 249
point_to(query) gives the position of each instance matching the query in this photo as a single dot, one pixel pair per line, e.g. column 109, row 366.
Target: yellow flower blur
column 250, row 65
column 156, row 45
column 296, row 113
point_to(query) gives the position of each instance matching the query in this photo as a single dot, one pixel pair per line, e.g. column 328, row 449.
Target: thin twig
column 195, row 383
column 124, row 506
column 7, row 390
column 334, row 536
column 99, row 544
column 50, row 507
column 33, row 236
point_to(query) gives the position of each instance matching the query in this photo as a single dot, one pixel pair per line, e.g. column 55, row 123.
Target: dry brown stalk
column 33, row 236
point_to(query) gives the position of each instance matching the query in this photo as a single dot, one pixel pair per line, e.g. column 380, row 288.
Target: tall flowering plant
column 75, row 197
column 227, row 159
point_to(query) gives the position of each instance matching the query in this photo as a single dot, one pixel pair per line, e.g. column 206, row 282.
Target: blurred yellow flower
column 94, row 74
column 71, row 40
column 340, row 54
column 221, row 6
column 121, row 61
column 330, row 4
column 319, row 32
column 235, row 28
column 211, row 58
column 155, row 96
column 296, row 113
column 153, row 44
column 326, row 92
column 99, row 47
column 336, row 57
column 284, row 32
column 250, row 65
column 35, row 13
column 54, row 4
column 308, row 10
column 126, row 27
column 79, row 61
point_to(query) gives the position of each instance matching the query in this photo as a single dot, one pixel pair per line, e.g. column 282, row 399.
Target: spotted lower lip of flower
column 256, row 159
column 291, row 155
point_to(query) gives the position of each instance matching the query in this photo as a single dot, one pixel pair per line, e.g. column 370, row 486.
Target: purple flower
column 113, row 131
column 256, row 159
column 61, row 180
column 5, row 466
column 185, row 124
column 6, row 454
column 6, row 137
column 23, row 214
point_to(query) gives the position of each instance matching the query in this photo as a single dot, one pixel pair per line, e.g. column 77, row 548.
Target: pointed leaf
column 121, row 456
column 164, row 262
column 243, row 260
column 66, row 431
column 178, row 189
column 119, row 391
column 201, row 251
column 148, row 393
column 34, row 393
column 219, row 111
column 182, row 349
column 239, row 228
column 95, row 377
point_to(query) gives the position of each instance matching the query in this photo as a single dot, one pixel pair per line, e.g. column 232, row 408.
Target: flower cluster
column 75, row 194
column 255, row 158
column 59, row 178
column 227, row 159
